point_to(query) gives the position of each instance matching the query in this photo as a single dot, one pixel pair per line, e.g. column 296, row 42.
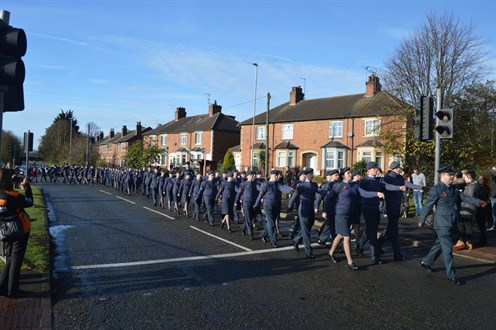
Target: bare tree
column 443, row 52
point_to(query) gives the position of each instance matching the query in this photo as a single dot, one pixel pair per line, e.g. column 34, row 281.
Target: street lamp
column 254, row 113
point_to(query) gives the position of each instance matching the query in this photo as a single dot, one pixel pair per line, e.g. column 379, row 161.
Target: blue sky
column 116, row 63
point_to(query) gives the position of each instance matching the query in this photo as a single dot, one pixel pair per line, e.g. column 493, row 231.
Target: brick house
column 202, row 140
column 323, row 133
column 113, row 148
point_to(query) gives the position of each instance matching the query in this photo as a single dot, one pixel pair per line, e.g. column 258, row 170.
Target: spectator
column 418, row 178
column 493, row 198
column 483, row 214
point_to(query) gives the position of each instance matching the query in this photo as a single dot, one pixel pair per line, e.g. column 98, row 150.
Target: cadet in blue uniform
column 193, row 192
column 394, row 199
column 356, row 211
column 247, row 195
column 328, row 228
column 270, row 192
column 370, row 206
column 208, row 191
column 447, row 200
column 184, row 189
column 306, row 212
column 227, row 192
column 295, row 227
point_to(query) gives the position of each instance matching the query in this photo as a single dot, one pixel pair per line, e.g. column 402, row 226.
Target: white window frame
column 372, row 127
column 281, row 158
column 255, row 159
column 336, row 129
column 163, row 139
column 287, row 131
column 184, row 139
column 261, row 132
column 198, row 138
column 152, row 141
column 291, row 158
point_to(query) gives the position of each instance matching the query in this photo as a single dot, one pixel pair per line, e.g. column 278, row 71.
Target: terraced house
column 203, row 140
column 323, row 133
column 113, row 148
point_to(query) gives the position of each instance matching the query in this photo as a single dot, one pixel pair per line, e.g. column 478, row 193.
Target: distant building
column 113, row 148
column 325, row 133
column 202, row 140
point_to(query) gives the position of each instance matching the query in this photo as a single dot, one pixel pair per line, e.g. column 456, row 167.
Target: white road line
column 105, row 192
column 221, row 239
column 126, row 200
column 165, row 215
column 172, row 260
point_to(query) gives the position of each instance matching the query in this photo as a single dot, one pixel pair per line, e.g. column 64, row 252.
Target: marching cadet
column 246, row 196
column 270, row 192
column 328, row 228
column 394, row 199
column 447, row 199
column 184, row 189
column 370, row 206
column 154, row 186
column 306, row 212
column 227, row 192
column 295, row 227
column 193, row 193
column 356, row 211
column 208, row 191
column 162, row 182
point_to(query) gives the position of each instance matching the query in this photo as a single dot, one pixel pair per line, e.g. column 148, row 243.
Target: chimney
column 180, row 113
column 100, row 136
column 372, row 86
column 111, row 133
column 124, row 130
column 296, row 95
column 214, row 108
column 138, row 128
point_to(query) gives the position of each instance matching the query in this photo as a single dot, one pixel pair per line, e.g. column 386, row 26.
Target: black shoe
column 222, row 225
column 399, row 257
column 243, row 232
column 378, row 262
column 456, row 282
column 263, row 238
column 211, row 223
column 426, row 267
column 352, row 266
column 321, row 243
column 252, row 238
column 296, row 247
column 274, row 245
column 332, row 258
column 229, row 230
column 310, row 256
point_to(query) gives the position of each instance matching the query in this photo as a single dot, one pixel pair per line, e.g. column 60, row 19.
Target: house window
column 281, row 158
column 291, row 158
column 367, row 156
column 163, row 139
column 378, row 159
column 255, row 158
column 287, row 132
column 198, row 137
column 152, row 141
column 330, row 160
column 336, row 129
column 260, row 132
column 340, row 159
column 372, row 127
column 183, row 159
column 163, row 159
column 183, row 139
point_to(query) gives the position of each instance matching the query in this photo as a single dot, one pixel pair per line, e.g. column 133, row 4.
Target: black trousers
column 11, row 272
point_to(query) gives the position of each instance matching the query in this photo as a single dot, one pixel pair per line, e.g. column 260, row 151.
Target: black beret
column 446, row 169
column 230, row 174
column 210, row 172
column 344, row 170
column 354, row 173
column 394, row 164
column 308, row 171
column 276, row 172
column 371, row 165
column 331, row 172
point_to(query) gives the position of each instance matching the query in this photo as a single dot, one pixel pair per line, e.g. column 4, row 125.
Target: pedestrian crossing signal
column 445, row 123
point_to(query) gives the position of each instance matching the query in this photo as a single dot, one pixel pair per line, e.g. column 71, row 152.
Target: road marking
column 165, row 215
column 221, row 239
column 172, row 260
column 126, row 200
column 105, row 192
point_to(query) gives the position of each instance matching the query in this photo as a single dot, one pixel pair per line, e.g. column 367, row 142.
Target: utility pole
column 267, row 136
column 88, row 147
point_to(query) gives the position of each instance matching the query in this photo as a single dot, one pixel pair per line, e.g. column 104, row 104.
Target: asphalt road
column 121, row 263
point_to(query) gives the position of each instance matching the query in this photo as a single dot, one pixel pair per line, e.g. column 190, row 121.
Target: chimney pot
column 296, row 95
column 372, row 86
column 214, row 108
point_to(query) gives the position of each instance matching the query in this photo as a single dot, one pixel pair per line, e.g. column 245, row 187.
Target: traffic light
column 424, row 119
column 11, row 151
column 13, row 45
column 445, row 123
column 28, row 141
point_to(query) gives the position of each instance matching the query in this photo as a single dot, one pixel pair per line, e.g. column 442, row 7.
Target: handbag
column 11, row 231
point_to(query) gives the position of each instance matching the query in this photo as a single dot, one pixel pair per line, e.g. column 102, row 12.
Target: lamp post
column 254, row 113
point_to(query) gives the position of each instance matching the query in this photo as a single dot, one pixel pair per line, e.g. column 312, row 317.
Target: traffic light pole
column 438, row 139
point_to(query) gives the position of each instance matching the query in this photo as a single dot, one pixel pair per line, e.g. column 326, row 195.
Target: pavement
column 33, row 308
